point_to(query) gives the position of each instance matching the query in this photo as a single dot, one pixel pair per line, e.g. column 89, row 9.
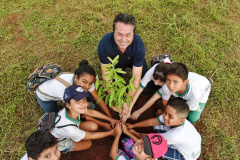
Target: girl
column 157, row 74
column 52, row 90
column 72, row 133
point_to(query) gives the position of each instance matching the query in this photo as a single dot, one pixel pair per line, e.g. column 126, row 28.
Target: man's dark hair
column 124, row 18
column 178, row 69
column 38, row 142
column 160, row 72
column 181, row 107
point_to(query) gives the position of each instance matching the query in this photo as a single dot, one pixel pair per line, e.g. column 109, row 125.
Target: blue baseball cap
column 74, row 92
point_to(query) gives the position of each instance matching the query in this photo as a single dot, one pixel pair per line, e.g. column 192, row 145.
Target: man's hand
column 118, row 129
column 116, row 109
column 125, row 110
column 125, row 117
column 135, row 115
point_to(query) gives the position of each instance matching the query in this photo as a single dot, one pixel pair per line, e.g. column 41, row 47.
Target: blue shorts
column 68, row 149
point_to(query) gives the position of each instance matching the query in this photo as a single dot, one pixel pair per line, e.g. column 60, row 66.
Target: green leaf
column 123, row 90
column 107, row 99
column 97, row 83
column 100, row 91
column 110, row 59
column 115, row 60
column 119, row 70
column 112, row 97
column 105, row 75
column 100, row 99
column 131, row 80
column 130, row 89
column 128, row 102
column 107, row 65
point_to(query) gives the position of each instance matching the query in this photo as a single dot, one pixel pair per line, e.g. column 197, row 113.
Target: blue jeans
column 48, row 106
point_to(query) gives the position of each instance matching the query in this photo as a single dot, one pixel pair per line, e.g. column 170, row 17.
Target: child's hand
column 118, row 129
column 106, row 126
column 135, row 115
column 124, row 128
column 159, row 112
column 129, row 126
column 113, row 122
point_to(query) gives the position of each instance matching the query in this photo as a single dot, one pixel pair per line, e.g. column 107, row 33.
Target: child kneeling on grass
column 41, row 145
column 184, row 141
column 78, row 137
column 147, row 147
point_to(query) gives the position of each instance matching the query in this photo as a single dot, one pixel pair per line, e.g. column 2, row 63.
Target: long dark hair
column 84, row 68
column 160, row 72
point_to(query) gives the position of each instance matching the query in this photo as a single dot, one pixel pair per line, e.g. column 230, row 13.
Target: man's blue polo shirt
column 133, row 56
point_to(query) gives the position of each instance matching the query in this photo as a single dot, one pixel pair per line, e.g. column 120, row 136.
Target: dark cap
column 74, row 92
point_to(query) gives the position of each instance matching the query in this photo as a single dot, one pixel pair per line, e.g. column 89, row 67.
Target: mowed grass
column 202, row 34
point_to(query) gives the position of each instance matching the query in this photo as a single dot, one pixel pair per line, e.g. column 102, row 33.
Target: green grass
column 204, row 34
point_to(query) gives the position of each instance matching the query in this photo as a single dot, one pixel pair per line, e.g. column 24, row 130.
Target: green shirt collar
column 71, row 119
column 185, row 92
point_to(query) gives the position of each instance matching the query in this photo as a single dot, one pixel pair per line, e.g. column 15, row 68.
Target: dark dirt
column 100, row 149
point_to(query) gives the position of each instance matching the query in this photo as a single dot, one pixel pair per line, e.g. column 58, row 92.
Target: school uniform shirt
column 56, row 89
column 121, row 157
column 133, row 55
column 198, row 90
column 25, row 157
column 147, row 77
column 185, row 138
column 67, row 135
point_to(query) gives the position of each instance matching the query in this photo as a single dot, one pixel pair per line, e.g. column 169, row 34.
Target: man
column 129, row 46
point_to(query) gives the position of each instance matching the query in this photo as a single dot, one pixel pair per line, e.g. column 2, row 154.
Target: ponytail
column 84, row 68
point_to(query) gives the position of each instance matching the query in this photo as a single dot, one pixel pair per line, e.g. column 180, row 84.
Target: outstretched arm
column 128, row 133
column 146, row 123
column 101, row 103
column 114, row 149
column 93, row 113
column 97, row 135
column 147, row 105
column 107, row 126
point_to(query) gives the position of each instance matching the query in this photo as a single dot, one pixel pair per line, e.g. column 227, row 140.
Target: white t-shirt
column 71, row 133
column 147, row 77
column 25, row 157
column 55, row 88
column 198, row 90
column 185, row 139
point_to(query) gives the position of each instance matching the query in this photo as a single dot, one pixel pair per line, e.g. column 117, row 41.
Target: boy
column 183, row 139
column 77, row 134
column 191, row 87
column 41, row 145
column 148, row 147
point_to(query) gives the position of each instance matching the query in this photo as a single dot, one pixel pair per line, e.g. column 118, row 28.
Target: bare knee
column 94, row 127
column 82, row 145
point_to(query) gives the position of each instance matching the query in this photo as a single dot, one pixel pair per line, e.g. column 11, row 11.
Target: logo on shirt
column 79, row 89
column 156, row 139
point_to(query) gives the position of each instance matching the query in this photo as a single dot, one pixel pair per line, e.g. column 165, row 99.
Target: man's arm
column 104, row 71
column 137, row 72
column 101, row 103
column 164, row 102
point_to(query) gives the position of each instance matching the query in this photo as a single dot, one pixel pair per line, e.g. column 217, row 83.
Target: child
column 192, row 87
column 84, row 76
column 183, row 139
column 158, row 75
column 150, row 146
column 41, row 145
column 78, row 137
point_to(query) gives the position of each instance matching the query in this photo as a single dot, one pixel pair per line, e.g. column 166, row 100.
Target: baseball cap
column 155, row 145
column 74, row 92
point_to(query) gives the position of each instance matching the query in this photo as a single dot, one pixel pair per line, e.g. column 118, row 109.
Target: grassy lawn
column 204, row 34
